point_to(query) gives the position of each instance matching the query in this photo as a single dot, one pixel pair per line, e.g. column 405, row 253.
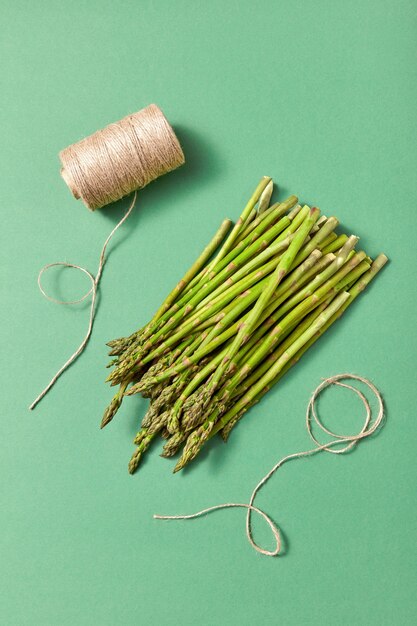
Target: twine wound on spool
column 104, row 167
column 348, row 442
column 121, row 158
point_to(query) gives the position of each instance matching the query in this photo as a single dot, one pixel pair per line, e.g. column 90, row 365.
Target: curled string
column 369, row 427
column 92, row 291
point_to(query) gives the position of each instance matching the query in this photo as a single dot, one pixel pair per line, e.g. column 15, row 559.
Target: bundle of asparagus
column 255, row 300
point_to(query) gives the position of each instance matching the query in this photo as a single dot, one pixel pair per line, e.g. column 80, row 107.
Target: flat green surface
column 319, row 95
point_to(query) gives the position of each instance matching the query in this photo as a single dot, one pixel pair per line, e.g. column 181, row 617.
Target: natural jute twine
column 104, row 167
column 121, row 158
column 347, row 441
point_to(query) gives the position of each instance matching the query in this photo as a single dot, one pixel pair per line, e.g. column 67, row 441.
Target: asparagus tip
column 134, row 461
column 178, row 467
column 106, row 420
column 109, row 413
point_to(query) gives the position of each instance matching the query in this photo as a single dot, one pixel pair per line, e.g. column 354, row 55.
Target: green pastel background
column 321, row 96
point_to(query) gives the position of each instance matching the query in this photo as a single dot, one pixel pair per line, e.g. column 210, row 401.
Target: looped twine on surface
column 93, row 292
column 369, row 427
column 70, row 265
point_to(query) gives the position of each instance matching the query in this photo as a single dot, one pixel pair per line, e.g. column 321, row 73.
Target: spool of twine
column 121, row 158
column 104, row 167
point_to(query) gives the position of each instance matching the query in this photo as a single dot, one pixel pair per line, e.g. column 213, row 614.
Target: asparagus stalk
column 288, row 286
column 339, row 280
column 249, row 324
column 265, row 198
column 191, row 417
column 258, row 354
column 274, row 210
column 230, row 418
column 243, row 245
column 194, row 269
column 234, row 320
column 198, row 437
column 173, row 444
column 336, row 244
column 354, row 292
column 321, row 278
column 241, row 221
column 246, row 297
column 218, row 278
column 114, row 406
column 244, row 221
column 271, row 251
column 326, row 229
column 143, row 445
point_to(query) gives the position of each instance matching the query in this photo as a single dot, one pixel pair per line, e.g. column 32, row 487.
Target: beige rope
column 369, row 427
column 106, row 166
column 121, row 158
column 94, row 285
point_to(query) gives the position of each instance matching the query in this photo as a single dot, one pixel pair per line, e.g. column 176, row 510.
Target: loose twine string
column 369, row 427
column 93, row 291
column 104, row 167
